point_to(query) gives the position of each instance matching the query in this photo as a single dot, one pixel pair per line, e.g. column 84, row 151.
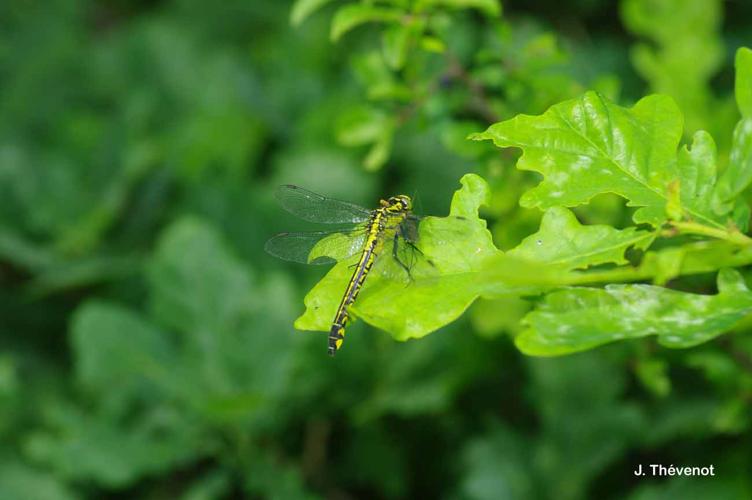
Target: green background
column 147, row 347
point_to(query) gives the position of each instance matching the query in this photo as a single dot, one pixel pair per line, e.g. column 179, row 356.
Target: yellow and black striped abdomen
column 391, row 213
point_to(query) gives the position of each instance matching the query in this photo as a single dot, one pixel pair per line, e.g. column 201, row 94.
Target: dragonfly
column 363, row 231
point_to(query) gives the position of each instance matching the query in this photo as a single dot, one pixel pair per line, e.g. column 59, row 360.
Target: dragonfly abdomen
column 376, row 228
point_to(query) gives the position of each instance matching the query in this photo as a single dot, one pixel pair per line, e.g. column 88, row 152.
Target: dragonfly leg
column 411, row 243
column 396, row 255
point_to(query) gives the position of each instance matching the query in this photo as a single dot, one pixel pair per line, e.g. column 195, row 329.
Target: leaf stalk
column 732, row 236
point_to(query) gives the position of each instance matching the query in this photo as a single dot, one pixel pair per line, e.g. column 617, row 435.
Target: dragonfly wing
column 316, row 208
column 320, row 247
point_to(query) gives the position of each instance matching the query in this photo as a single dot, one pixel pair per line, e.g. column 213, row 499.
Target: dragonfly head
column 401, row 202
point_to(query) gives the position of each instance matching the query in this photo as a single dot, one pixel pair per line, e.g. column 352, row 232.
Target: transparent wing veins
column 316, row 247
column 313, row 207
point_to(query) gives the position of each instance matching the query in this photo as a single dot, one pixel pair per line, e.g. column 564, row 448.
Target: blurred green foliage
column 147, row 341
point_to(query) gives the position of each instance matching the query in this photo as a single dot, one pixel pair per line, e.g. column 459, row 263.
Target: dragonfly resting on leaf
column 391, row 227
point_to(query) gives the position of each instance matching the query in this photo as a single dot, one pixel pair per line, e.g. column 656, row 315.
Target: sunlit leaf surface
column 630, row 152
column 576, row 319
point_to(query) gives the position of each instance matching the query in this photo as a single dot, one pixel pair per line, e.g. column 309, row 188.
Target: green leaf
column 549, row 257
column 697, row 178
column 396, row 41
column 220, row 366
column 696, row 258
column 360, row 125
column 379, row 153
column 487, row 321
column 588, row 146
column 197, row 284
column 576, row 319
column 351, row 16
column 466, row 201
column 563, row 242
column 504, row 275
column 685, row 50
column 744, row 81
column 491, row 8
column 304, row 8
column 738, row 175
column 105, row 362
column 226, row 320
column 674, row 211
column 741, row 215
column 653, row 374
column 380, row 81
column 436, row 295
